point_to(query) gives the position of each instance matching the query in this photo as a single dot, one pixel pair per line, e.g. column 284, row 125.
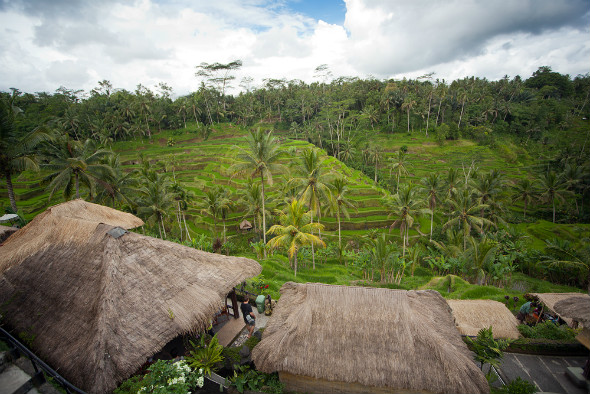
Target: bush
column 547, row 330
column 517, row 386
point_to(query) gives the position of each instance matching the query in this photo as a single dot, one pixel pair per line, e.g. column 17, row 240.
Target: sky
column 45, row 44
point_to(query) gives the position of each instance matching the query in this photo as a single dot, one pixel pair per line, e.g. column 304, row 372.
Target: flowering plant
column 171, row 377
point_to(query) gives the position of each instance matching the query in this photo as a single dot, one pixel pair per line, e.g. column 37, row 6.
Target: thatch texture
column 551, row 299
column 6, row 231
column 72, row 221
column 473, row 315
column 576, row 307
column 395, row 340
column 98, row 306
column 245, row 225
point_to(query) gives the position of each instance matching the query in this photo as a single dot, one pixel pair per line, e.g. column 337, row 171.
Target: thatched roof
column 473, row 315
column 397, row 339
column 70, row 221
column 576, row 307
column 245, row 225
column 551, row 299
column 98, row 305
column 6, row 231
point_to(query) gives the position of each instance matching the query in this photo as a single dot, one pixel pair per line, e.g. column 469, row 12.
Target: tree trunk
column 312, row 248
column 431, row 223
column 295, row 264
column 263, row 214
column 428, row 117
column 163, row 228
column 553, row 210
column 10, row 188
column 188, row 235
column 77, row 185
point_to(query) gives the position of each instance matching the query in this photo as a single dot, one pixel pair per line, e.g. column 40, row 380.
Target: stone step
column 14, row 380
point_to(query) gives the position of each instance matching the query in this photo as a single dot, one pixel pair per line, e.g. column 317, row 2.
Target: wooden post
column 234, row 303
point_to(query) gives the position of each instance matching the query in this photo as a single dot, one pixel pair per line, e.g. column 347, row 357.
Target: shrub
column 166, row 377
column 517, row 386
column 206, row 357
column 547, row 330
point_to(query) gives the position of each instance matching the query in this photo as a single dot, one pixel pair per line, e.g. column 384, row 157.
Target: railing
column 38, row 363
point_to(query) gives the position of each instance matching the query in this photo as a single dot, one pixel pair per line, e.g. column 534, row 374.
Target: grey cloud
column 424, row 33
column 67, row 73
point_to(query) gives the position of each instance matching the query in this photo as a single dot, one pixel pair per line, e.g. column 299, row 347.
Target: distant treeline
column 329, row 114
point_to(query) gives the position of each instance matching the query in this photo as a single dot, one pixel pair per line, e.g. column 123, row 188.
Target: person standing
column 249, row 317
column 524, row 311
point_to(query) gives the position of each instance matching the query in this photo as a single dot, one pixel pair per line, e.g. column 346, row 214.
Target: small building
column 97, row 300
column 245, row 225
column 577, row 308
column 549, row 301
column 341, row 339
column 473, row 315
column 6, row 231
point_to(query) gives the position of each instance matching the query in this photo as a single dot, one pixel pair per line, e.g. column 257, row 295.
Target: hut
column 578, row 308
column 98, row 300
column 245, row 225
column 473, row 315
column 340, row 339
column 6, row 231
column 550, row 299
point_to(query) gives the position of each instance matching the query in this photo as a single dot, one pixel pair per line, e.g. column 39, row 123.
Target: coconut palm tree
column 260, row 159
column 312, row 180
column 17, row 152
column 399, row 165
column 120, row 188
column 553, row 188
column 215, row 203
column 524, row 190
column 156, row 201
column 463, row 211
column 405, row 205
column 251, row 201
column 294, row 231
column 340, row 203
column 431, row 185
column 74, row 162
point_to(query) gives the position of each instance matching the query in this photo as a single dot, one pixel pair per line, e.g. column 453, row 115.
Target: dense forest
column 454, row 221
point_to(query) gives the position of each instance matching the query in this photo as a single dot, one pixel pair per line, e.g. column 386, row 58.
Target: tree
column 119, row 188
column 251, row 201
column 405, row 206
column 260, row 159
column 553, row 188
column 409, row 103
column 216, row 203
column 340, row 203
column 487, row 350
column 219, row 75
column 432, row 186
column 463, row 210
column 74, row 162
column 156, row 200
column 296, row 230
column 524, row 190
column 399, row 165
column 313, row 182
column 17, row 152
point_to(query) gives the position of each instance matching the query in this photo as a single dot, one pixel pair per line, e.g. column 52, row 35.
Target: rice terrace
column 329, row 234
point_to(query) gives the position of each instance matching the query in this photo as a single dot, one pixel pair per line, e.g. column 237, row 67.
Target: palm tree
column 408, row 104
column 119, row 189
column 340, row 203
column 380, row 251
column 487, row 186
column 375, row 153
column 75, row 162
column 573, row 175
column 404, row 205
column 296, row 230
column 259, row 159
column 399, row 165
column 313, row 182
column 17, row 152
column 525, row 191
column 432, row 186
column 553, row 188
column 156, row 200
column 464, row 208
column 214, row 203
column 182, row 197
column 251, row 201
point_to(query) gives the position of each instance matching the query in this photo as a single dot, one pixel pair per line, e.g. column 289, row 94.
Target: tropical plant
column 487, row 350
column 340, row 203
column 205, row 357
column 431, row 185
column 17, row 152
column 73, row 162
column 295, row 231
column 399, row 166
column 165, row 377
column 524, row 190
column 464, row 208
column 553, row 189
column 260, row 158
column 156, row 200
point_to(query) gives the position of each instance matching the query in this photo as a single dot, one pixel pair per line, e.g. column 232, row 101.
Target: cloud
column 396, row 37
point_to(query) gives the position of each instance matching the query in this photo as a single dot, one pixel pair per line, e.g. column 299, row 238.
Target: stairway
column 18, row 377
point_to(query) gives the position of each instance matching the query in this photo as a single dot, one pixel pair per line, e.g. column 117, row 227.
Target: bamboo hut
column 473, row 315
column 340, row 339
column 6, row 231
column 550, row 299
column 245, row 225
column 98, row 300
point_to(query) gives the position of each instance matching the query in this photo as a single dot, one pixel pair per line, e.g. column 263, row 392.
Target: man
column 524, row 311
column 249, row 317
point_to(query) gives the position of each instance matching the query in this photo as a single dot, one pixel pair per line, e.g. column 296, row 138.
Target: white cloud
column 44, row 45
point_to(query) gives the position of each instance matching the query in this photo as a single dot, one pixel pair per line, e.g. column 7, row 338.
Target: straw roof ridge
column 575, row 307
column 473, row 315
column 551, row 299
column 105, row 304
column 405, row 340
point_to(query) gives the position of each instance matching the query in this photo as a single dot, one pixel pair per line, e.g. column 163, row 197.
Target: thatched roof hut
column 6, row 231
column 340, row 339
column 578, row 309
column 550, row 299
column 473, row 315
column 98, row 300
column 245, row 225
